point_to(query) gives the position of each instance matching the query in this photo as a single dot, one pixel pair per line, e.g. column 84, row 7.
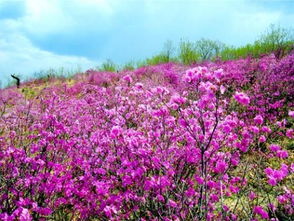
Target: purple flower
column 274, row 147
column 25, row 215
column 220, row 166
column 282, row 154
column 178, row 99
column 128, row 78
column 259, row 210
column 262, row 139
column 116, row 131
column 258, row 119
column 242, row 98
column 172, row 203
column 252, row 195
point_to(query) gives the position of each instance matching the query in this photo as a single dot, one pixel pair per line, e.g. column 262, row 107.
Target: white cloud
column 19, row 56
column 235, row 22
column 122, row 29
column 43, row 17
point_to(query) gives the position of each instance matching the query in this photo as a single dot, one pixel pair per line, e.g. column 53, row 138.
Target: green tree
column 188, row 53
column 208, row 49
column 276, row 39
column 108, row 65
column 168, row 51
column 129, row 66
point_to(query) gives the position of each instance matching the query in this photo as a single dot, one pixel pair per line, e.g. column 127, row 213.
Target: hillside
column 165, row 142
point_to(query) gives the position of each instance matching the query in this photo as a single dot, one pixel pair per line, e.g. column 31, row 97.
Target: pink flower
column 282, row 154
column 226, row 208
column 220, row 166
column 234, row 217
column 219, row 73
column 116, row 131
column 282, row 199
column 254, row 129
column 160, row 198
column 290, row 133
column 242, row 146
column 272, row 181
column 242, row 98
column 222, row 89
column 214, row 198
column 252, row 195
column 274, row 147
column 227, row 128
column 266, row 129
column 25, row 215
column 259, row 210
column 128, row 78
column 187, row 79
column 139, row 86
column 44, row 211
column 276, row 175
column 268, row 171
column 258, row 119
column 172, row 203
column 190, row 192
column 262, row 139
column 178, row 99
column 199, row 180
column 109, row 210
column 291, row 114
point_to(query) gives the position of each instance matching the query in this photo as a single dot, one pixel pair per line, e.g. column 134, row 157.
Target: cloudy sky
column 41, row 34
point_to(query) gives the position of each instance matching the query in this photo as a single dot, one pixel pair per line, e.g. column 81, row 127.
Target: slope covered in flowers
column 166, row 142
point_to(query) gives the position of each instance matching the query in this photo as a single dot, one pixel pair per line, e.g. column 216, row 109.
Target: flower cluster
column 164, row 142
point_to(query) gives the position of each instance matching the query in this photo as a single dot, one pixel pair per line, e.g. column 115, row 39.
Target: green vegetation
column 275, row 39
column 129, row 66
column 188, row 53
column 260, row 47
column 165, row 56
column 56, row 73
column 209, row 49
column 108, row 65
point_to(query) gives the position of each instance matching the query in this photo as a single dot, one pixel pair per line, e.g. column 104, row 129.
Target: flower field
column 212, row 141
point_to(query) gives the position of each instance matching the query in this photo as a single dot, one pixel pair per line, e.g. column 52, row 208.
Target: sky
column 36, row 35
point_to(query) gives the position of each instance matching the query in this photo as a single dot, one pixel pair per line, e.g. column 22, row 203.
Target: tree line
column 275, row 39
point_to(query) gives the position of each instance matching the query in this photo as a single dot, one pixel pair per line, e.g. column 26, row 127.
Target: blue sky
column 41, row 34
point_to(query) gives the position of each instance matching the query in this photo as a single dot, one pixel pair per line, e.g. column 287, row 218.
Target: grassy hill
column 207, row 141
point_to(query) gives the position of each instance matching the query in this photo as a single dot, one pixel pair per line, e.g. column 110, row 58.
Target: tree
column 168, row 50
column 277, row 39
column 129, row 66
column 108, row 65
column 207, row 49
column 188, row 53
column 17, row 80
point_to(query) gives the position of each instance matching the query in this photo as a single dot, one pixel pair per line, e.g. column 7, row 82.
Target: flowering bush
column 163, row 142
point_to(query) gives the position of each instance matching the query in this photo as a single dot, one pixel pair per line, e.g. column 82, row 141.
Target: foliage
column 276, row 40
column 188, row 53
column 209, row 49
column 129, row 66
column 108, row 66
